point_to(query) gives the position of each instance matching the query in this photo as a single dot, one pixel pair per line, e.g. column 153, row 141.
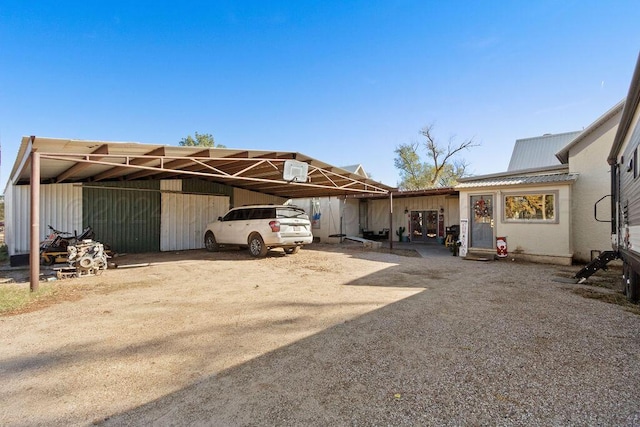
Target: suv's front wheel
column 210, row 242
column 257, row 247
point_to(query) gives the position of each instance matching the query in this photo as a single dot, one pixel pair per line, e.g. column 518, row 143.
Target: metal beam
column 255, row 171
column 79, row 167
column 118, row 170
column 34, row 246
column 175, row 164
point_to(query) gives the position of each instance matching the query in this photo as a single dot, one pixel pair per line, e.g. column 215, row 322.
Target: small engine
column 87, row 257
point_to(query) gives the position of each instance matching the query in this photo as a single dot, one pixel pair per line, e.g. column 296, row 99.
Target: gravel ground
column 330, row 336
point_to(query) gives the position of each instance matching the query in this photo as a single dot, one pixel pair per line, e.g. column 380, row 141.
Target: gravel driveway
column 330, row 336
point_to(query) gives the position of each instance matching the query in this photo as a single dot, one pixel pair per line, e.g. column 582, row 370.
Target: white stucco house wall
column 554, row 181
column 542, row 236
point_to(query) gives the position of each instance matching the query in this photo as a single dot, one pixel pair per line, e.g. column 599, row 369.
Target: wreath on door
column 481, row 209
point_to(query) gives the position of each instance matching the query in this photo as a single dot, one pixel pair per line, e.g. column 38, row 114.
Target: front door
column 481, row 222
column 424, row 226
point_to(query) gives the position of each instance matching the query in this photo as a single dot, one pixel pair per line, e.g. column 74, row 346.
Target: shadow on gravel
column 474, row 354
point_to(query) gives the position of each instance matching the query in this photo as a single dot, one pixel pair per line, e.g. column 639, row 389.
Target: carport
column 52, row 160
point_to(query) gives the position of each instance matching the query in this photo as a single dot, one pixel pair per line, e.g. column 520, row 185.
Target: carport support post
column 34, row 247
column 390, row 220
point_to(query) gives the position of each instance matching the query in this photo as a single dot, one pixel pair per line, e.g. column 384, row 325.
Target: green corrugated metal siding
column 207, row 187
column 126, row 219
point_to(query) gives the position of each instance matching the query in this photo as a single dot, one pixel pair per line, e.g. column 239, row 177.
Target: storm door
column 481, row 221
column 424, row 226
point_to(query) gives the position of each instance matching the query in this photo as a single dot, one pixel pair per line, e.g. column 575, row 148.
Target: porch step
column 365, row 242
column 471, row 256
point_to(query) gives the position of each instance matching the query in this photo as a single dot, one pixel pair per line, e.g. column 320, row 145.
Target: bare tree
column 442, row 169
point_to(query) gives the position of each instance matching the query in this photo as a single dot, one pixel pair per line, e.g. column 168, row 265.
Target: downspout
column 34, row 247
column 614, row 197
column 390, row 220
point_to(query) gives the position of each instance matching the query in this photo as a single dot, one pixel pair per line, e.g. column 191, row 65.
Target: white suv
column 260, row 228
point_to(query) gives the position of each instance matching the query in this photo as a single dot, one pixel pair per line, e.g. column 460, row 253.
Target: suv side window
column 236, row 215
column 262, row 213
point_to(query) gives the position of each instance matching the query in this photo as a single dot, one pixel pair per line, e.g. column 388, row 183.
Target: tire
column 47, row 260
column 257, row 247
column 291, row 251
column 210, row 242
column 631, row 283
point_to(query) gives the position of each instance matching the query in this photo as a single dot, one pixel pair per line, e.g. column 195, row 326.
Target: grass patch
column 16, row 299
column 609, row 297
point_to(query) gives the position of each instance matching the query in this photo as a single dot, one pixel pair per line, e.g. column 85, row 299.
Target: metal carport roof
column 67, row 160
column 53, row 160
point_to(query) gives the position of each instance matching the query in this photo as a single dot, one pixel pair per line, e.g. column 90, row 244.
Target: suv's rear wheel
column 256, row 246
column 291, row 251
column 210, row 242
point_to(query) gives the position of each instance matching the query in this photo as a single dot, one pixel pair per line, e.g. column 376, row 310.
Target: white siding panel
column 185, row 217
column 171, row 185
column 60, row 207
column 333, row 211
column 242, row 197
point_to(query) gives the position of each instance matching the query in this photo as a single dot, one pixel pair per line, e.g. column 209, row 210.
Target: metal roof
column 553, row 175
column 66, row 160
column 540, row 151
column 399, row 194
column 356, row 169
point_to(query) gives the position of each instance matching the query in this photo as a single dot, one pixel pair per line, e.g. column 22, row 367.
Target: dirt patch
column 330, row 336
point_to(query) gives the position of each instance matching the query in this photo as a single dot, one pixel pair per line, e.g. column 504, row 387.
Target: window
column 530, row 207
column 236, row 215
column 262, row 213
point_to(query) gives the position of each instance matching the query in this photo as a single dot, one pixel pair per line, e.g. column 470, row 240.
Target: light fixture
column 441, row 209
column 406, row 211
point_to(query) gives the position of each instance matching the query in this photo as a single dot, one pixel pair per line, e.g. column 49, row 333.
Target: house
column 423, row 215
column 544, row 204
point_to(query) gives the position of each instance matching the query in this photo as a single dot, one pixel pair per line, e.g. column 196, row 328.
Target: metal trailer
column 625, row 190
column 625, row 197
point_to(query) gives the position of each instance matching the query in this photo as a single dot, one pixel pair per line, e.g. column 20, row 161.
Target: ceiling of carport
column 65, row 161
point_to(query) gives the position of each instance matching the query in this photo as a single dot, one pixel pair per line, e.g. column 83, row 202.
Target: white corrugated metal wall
column 60, row 207
column 184, row 217
column 333, row 211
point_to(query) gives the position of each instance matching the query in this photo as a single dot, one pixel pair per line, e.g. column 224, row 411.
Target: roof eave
column 563, row 155
column 553, row 168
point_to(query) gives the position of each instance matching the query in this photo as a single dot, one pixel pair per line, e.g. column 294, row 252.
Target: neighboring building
column 544, row 204
column 357, row 169
column 539, row 151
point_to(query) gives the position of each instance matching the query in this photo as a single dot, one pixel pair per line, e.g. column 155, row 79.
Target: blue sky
column 344, row 82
